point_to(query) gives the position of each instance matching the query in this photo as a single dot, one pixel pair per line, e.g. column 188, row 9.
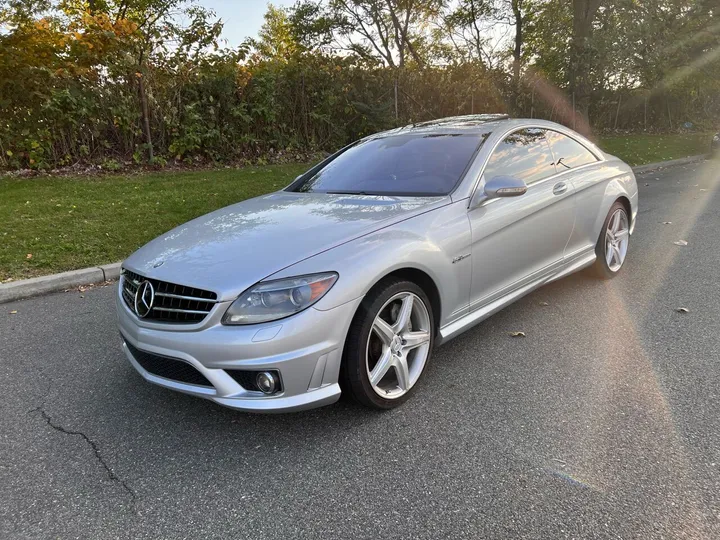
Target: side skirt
column 576, row 262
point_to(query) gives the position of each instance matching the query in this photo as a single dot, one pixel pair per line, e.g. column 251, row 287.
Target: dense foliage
column 106, row 81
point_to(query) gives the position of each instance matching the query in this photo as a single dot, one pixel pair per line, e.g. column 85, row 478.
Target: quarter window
column 568, row 152
column 524, row 154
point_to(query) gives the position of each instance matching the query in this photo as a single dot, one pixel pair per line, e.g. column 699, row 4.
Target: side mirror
column 504, row 186
column 499, row 186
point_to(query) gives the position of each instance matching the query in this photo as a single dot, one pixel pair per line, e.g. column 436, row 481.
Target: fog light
column 266, row 382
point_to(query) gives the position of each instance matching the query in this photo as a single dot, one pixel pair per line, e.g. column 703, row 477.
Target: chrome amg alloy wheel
column 398, row 345
column 617, row 234
column 612, row 243
column 389, row 344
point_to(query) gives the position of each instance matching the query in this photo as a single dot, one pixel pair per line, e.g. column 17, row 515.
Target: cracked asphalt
column 603, row 422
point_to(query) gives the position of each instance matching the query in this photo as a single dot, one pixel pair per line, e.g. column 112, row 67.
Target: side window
column 524, row 154
column 568, row 152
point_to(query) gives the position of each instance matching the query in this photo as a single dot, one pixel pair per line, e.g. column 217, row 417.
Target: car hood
column 233, row 248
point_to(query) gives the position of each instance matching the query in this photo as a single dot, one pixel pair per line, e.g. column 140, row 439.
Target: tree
column 519, row 19
column 581, row 53
column 276, row 39
column 466, row 26
column 388, row 30
column 157, row 29
column 312, row 24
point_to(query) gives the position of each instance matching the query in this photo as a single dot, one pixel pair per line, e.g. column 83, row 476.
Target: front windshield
column 407, row 164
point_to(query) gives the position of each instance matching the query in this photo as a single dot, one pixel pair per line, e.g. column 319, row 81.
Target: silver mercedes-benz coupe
column 345, row 280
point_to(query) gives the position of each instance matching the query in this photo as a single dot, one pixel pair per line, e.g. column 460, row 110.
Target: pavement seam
column 98, row 455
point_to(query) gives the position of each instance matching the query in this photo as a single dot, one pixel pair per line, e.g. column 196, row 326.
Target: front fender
column 429, row 242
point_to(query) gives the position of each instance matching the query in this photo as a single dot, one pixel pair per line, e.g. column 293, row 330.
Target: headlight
column 272, row 300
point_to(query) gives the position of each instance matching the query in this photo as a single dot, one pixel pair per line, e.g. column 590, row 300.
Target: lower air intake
column 168, row 368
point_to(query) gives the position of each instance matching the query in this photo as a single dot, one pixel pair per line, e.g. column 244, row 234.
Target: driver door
column 516, row 239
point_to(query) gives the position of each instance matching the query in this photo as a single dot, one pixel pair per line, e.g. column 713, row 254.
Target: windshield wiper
column 351, row 193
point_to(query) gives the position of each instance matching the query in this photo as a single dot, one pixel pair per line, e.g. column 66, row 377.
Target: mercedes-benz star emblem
column 144, row 298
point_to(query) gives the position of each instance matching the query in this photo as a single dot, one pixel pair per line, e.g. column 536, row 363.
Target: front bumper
column 306, row 349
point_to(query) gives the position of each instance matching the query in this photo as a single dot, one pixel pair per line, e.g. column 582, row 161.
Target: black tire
column 354, row 378
column 600, row 269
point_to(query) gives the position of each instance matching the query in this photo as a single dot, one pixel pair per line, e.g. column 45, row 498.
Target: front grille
column 168, row 368
column 173, row 303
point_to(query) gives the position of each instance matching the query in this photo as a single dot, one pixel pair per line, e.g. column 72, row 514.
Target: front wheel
column 389, row 344
column 612, row 246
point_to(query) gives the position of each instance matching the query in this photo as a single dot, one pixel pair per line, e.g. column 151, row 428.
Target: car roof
column 470, row 124
column 485, row 124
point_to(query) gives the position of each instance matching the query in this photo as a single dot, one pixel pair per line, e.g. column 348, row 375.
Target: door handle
column 559, row 188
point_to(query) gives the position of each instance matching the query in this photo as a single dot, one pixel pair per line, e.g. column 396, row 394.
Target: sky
column 243, row 18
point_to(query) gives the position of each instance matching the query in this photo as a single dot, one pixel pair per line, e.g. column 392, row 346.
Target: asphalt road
column 603, row 422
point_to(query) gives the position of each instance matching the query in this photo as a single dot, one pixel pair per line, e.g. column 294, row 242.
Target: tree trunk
column 401, row 31
column 304, row 113
column 584, row 12
column 145, row 117
column 396, row 99
column 517, row 55
column 517, row 52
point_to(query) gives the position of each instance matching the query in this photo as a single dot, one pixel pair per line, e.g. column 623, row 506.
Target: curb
column 671, row 163
column 26, row 288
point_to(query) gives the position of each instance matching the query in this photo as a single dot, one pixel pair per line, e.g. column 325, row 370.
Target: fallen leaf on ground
column 667, row 222
column 544, row 304
column 680, row 243
column 647, row 184
column 517, row 334
column 28, row 256
column 682, row 310
column 13, row 312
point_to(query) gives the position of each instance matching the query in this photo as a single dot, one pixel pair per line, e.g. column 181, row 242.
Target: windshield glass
column 409, row 164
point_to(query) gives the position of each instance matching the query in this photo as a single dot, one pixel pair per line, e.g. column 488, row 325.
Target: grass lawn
column 643, row 149
column 51, row 225
column 69, row 223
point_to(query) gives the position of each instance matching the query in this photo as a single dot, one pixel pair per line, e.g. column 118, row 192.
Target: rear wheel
column 612, row 246
column 389, row 344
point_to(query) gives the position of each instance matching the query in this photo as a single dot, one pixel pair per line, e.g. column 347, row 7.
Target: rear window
column 568, row 152
column 408, row 164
